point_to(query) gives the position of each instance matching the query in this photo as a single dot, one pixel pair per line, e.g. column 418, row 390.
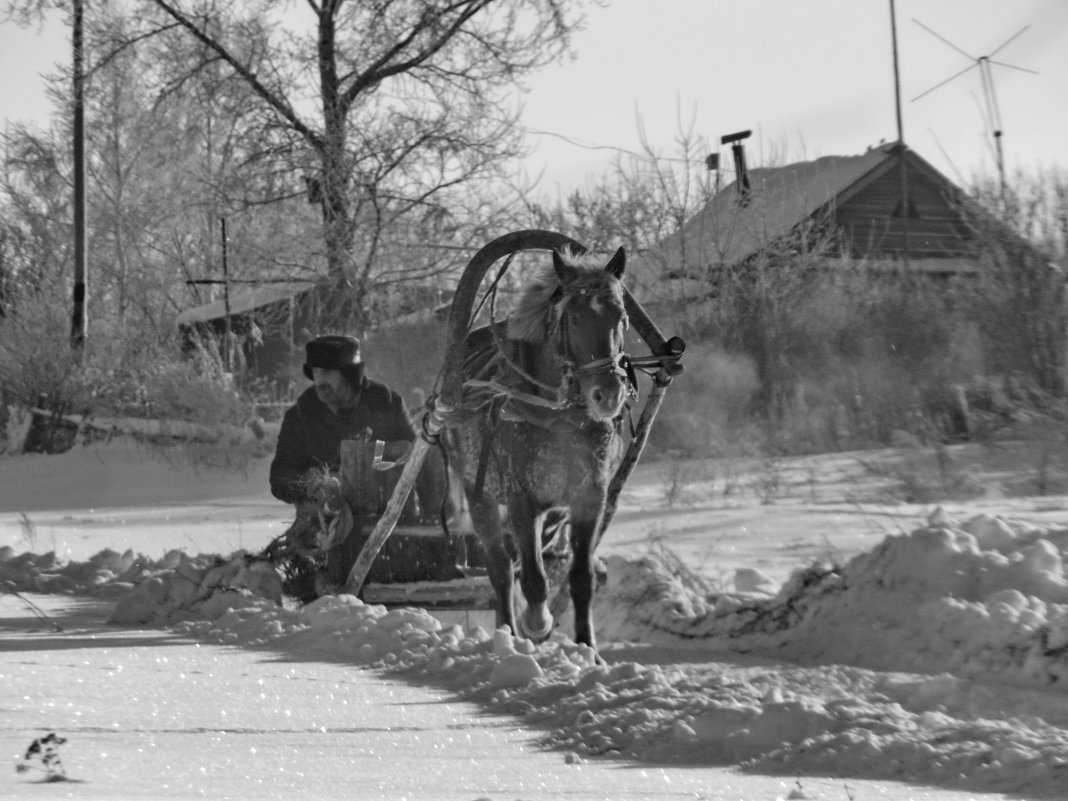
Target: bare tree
column 392, row 102
column 1022, row 295
column 36, row 223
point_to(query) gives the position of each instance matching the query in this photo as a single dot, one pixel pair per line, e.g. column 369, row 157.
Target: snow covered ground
column 770, row 630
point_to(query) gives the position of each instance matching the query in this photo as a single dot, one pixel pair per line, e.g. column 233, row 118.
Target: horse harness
column 513, row 405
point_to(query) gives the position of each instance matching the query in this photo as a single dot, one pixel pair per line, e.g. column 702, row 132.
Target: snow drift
column 940, row 613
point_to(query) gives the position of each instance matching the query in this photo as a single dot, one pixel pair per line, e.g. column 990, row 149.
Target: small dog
column 45, row 749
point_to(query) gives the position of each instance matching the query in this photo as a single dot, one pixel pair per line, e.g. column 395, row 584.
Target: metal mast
column 990, row 100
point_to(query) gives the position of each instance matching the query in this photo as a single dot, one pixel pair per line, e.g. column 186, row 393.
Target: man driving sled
column 342, row 404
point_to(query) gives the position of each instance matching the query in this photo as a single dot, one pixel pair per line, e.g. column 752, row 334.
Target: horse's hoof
column 536, row 624
column 324, row 586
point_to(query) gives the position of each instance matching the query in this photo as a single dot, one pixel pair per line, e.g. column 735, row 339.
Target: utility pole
column 79, row 318
column 228, row 330
column 900, row 142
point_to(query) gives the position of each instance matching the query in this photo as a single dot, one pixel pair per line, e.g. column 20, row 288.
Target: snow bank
column 939, row 612
column 175, row 587
column 986, row 599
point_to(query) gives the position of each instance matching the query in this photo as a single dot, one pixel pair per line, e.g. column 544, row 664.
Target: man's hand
column 307, row 509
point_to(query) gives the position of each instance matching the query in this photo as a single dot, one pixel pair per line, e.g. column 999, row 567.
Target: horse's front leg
column 585, row 522
column 536, row 622
column 486, row 518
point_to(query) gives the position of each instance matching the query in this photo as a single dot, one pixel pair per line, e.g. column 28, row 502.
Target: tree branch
column 279, row 104
column 382, row 68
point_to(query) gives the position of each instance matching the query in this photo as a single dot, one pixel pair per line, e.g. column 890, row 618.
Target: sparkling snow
column 932, row 653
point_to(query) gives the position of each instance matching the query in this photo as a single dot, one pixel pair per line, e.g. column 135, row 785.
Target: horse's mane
column 535, row 317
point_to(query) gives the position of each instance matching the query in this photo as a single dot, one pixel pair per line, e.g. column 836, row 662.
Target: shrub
column 39, row 369
column 37, row 366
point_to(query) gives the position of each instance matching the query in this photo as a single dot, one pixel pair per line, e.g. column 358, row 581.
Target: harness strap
column 503, row 354
column 516, row 394
column 443, row 517
column 621, row 365
column 648, row 364
column 433, row 437
column 547, row 419
column 608, row 364
column 493, row 416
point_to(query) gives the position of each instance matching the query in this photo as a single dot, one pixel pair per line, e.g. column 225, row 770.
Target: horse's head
column 574, row 313
column 592, row 321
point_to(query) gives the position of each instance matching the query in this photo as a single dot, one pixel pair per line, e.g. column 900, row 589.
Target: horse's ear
column 564, row 271
column 617, row 264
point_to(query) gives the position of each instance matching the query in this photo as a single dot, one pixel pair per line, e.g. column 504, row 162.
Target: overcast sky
column 809, row 77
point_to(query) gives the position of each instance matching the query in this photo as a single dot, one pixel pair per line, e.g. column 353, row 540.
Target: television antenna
column 990, row 99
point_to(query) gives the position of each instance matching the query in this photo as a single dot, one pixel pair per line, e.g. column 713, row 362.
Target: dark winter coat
column 311, row 434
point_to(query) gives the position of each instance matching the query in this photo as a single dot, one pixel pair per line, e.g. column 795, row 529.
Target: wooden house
column 886, row 207
column 268, row 322
column 271, row 321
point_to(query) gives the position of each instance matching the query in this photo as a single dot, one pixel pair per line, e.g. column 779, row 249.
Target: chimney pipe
column 740, row 168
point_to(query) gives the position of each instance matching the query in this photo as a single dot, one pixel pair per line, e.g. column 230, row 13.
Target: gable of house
column 859, row 197
column 873, row 223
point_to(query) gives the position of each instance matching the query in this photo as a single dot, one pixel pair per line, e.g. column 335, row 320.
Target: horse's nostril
column 597, row 395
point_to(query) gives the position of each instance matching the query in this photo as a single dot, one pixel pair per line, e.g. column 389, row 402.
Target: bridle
column 567, row 393
column 544, row 397
column 618, row 364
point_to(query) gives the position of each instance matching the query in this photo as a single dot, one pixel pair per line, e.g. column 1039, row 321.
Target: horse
column 540, row 430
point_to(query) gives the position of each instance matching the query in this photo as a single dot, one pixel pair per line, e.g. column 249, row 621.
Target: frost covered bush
column 196, row 389
column 109, row 378
column 36, row 361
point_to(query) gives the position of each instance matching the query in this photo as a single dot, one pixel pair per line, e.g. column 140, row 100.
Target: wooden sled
column 423, row 563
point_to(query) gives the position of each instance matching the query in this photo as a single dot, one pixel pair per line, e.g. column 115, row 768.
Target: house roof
column 244, row 298
column 781, row 197
column 727, row 232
